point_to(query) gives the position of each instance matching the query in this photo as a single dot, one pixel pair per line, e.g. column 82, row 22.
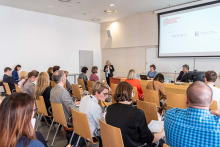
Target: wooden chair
column 113, row 88
column 151, row 96
column 65, row 86
column 135, row 98
column 90, row 83
column 176, row 100
column 59, row 117
column 111, row 136
column 81, row 126
column 103, row 104
column 52, row 83
column 169, row 107
column 17, row 88
column 214, row 105
column 150, row 110
column 7, row 89
column 165, row 145
column 76, row 92
column 81, row 82
column 90, row 90
column 42, row 112
column 170, row 89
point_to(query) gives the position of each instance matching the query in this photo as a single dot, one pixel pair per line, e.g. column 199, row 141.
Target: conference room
column 109, row 73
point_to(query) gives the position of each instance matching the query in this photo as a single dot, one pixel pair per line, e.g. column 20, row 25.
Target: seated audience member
column 93, row 76
column 42, row 88
column 83, row 76
column 8, row 79
column 129, row 119
column 210, row 78
column 22, row 77
column 55, row 68
column 194, row 126
column 15, row 72
column 183, row 74
column 50, row 72
column 157, row 84
column 89, row 105
column 68, row 85
column 152, row 73
column 135, row 83
column 17, row 110
column 28, row 85
column 60, row 95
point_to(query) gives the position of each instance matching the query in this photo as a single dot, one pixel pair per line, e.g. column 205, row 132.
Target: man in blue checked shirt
column 194, row 126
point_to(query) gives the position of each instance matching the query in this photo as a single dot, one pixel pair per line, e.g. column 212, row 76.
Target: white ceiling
column 88, row 9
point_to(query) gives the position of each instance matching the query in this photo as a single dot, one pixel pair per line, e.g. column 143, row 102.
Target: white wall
column 38, row 41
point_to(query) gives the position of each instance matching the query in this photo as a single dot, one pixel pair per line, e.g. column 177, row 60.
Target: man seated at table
column 7, row 78
column 183, row 74
column 194, row 126
column 89, row 105
column 210, row 78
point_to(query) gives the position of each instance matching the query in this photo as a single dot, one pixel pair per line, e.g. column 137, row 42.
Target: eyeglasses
column 35, row 109
column 105, row 94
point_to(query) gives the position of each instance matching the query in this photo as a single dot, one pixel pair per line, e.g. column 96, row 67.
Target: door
column 86, row 59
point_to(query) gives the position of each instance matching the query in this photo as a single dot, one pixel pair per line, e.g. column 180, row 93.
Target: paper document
column 156, row 126
column 33, row 121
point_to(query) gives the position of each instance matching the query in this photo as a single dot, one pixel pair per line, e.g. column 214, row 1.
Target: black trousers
column 108, row 79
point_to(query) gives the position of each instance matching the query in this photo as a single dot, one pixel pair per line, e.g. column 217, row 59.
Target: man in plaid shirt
column 194, row 126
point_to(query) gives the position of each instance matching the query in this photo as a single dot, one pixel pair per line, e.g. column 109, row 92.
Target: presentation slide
column 191, row 32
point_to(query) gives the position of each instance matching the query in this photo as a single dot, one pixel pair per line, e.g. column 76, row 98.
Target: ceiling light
column 50, row 6
column 95, row 19
column 64, row 0
column 108, row 11
column 112, row 5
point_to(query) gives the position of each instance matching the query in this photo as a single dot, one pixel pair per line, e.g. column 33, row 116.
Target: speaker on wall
column 108, row 33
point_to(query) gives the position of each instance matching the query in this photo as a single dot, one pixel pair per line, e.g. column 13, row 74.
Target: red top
column 93, row 77
column 136, row 83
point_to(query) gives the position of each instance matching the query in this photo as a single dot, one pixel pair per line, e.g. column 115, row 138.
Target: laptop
column 143, row 77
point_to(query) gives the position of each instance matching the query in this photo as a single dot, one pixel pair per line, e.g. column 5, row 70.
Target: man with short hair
column 89, row 105
column 183, row 74
column 194, row 126
column 210, row 78
column 8, row 79
column 60, row 95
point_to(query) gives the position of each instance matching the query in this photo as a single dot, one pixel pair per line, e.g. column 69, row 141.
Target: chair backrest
column 150, row 110
column 65, row 86
column 17, row 88
column 81, row 82
column 52, row 83
column 58, row 114
column 165, row 145
column 81, row 125
column 113, row 87
column 76, row 91
column 7, row 89
column 176, row 100
column 41, row 106
column 169, row 107
column 151, row 96
column 90, row 83
column 111, row 136
column 135, row 98
column 90, row 90
column 214, row 105
column 171, row 89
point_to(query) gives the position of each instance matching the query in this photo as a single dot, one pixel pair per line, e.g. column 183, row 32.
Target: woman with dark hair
column 129, row 119
column 152, row 73
column 157, row 84
column 50, row 72
column 17, row 110
column 83, row 76
column 28, row 85
column 93, row 76
column 15, row 72
column 55, row 68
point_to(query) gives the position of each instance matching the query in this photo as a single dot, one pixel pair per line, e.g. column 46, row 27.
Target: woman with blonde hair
column 22, row 77
column 50, row 72
column 42, row 88
column 108, row 69
column 135, row 83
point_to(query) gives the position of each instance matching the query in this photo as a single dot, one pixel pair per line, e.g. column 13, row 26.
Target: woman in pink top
column 93, row 76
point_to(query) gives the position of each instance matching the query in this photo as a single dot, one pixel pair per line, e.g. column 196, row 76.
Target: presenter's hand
column 178, row 81
column 148, row 78
column 106, row 69
column 152, row 79
column 110, row 67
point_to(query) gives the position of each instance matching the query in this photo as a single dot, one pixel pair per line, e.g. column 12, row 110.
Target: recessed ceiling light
column 112, row 5
column 108, row 11
column 95, row 19
column 50, row 6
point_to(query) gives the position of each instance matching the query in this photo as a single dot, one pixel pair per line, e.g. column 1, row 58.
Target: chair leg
column 55, row 135
column 78, row 141
column 39, row 121
column 49, row 130
column 46, row 121
column 71, row 138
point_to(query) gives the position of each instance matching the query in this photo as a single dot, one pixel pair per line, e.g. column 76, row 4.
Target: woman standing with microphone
column 108, row 69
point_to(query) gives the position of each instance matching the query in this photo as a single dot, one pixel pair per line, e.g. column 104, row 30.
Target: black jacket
column 11, row 81
column 111, row 70
column 181, row 77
